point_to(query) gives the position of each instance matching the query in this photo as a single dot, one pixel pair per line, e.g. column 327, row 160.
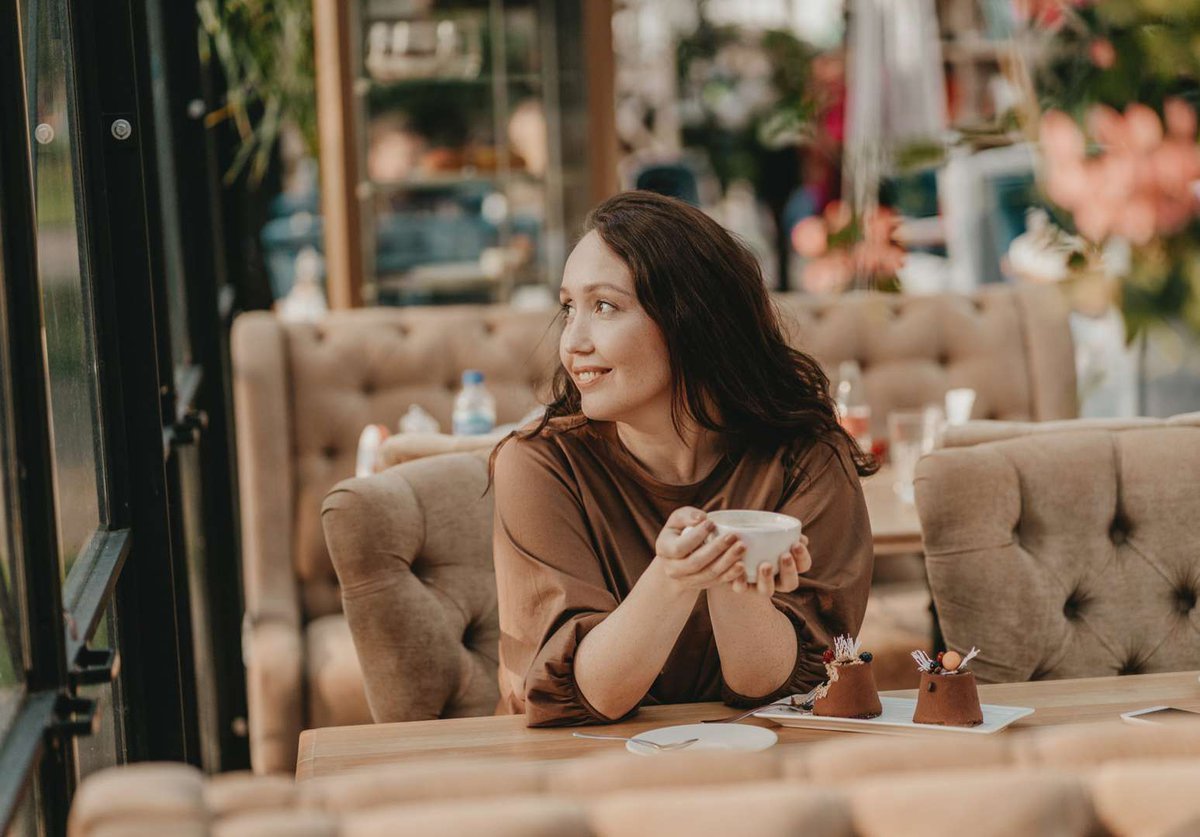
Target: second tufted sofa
column 303, row 393
column 1068, row 550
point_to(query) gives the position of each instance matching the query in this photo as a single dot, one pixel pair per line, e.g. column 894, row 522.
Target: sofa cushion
column 1067, row 554
column 773, row 809
column 335, row 680
column 139, row 797
column 424, row 781
column 289, row 823
column 842, row 760
column 983, row 803
column 1087, row 745
column 516, row 816
column 1148, row 797
column 608, row 772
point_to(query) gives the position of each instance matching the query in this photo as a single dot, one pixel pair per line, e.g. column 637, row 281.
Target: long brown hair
column 732, row 369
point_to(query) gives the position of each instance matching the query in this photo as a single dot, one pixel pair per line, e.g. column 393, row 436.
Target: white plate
column 743, row 737
column 895, row 720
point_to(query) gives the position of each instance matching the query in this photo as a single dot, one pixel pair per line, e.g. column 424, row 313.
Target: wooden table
column 333, row 750
column 895, row 527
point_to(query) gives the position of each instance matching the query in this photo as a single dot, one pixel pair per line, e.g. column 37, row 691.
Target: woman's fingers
column 706, row 554
column 789, row 576
column 683, row 517
column 802, row 557
column 677, row 540
column 766, row 580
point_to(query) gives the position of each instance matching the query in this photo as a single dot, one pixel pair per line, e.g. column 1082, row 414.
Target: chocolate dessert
column 850, row 691
column 947, row 695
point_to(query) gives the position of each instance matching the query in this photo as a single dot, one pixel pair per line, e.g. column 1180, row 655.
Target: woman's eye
column 566, row 308
column 605, row 307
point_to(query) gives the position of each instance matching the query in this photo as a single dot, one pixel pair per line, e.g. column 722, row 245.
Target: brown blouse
column 577, row 517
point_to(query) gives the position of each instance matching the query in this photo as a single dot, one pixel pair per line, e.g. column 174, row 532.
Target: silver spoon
column 654, row 745
column 794, row 700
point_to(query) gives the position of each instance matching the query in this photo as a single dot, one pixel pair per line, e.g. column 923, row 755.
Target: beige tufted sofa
column 1084, row 780
column 303, row 393
column 1068, row 550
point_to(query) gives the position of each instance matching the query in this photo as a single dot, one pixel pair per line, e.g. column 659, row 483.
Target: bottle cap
column 472, row 376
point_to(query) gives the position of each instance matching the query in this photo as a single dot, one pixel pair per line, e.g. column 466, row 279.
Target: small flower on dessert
column 946, row 662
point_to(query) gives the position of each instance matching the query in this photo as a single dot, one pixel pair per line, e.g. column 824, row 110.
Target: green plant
column 264, row 49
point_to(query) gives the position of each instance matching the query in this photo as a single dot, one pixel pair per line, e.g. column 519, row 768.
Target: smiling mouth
column 589, row 377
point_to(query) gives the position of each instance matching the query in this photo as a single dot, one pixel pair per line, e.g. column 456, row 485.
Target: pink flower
column 810, row 237
column 1102, row 53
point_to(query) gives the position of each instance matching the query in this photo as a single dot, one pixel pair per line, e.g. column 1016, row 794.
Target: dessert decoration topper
column 947, row 662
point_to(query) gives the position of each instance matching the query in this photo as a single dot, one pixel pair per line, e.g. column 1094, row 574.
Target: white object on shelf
column 305, row 302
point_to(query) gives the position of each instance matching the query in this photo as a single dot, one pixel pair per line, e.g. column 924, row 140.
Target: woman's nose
column 576, row 338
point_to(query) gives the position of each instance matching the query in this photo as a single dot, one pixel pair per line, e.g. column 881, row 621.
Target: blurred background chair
column 303, row 394
column 1067, row 550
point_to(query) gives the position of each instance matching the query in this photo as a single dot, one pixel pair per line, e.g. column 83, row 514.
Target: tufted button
column 402, row 330
column 1134, row 665
column 1074, row 605
column 1118, row 532
column 329, row 452
column 1185, row 600
column 368, row 388
column 318, row 334
column 489, row 327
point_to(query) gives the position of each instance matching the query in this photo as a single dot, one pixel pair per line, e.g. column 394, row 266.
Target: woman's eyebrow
column 595, row 286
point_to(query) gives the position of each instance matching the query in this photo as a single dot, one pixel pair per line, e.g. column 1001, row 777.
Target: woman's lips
column 590, row 378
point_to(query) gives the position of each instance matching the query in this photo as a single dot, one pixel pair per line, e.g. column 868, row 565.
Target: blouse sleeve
column 549, row 583
column 832, row 596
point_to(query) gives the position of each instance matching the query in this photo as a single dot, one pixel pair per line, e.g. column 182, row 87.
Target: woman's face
column 614, row 352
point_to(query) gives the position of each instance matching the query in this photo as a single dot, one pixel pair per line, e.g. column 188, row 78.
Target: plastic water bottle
column 853, row 410
column 474, row 407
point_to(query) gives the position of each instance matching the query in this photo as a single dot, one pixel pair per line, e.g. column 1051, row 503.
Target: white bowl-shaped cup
column 767, row 535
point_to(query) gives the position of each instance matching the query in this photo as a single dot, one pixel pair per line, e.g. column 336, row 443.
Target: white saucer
column 742, row 737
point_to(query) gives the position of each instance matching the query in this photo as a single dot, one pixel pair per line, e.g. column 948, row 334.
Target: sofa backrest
column 1069, row 553
column 303, row 393
column 1012, row 345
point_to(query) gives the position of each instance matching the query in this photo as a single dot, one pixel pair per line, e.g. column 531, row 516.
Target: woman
column 677, row 395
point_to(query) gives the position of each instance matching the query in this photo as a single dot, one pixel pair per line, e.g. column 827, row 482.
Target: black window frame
column 143, row 68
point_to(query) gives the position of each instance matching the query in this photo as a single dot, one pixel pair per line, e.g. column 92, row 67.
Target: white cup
column 766, row 535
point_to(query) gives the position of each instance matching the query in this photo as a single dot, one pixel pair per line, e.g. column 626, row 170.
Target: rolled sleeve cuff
column 552, row 695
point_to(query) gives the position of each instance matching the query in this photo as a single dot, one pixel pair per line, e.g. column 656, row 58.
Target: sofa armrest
column 265, row 478
column 405, row 447
column 273, row 651
column 412, row 550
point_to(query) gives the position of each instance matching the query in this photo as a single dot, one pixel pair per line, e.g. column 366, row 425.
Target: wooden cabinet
column 462, row 143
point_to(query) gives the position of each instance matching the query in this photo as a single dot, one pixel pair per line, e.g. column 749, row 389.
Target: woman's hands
column 791, row 564
column 689, row 562
column 692, row 564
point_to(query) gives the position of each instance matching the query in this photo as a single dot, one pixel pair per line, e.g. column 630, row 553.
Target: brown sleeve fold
column 550, row 586
column 832, row 596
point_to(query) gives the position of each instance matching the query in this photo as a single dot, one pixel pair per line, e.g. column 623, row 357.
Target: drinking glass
column 911, row 435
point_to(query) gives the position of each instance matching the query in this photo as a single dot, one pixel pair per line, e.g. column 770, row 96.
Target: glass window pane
column 68, row 345
column 11, row 668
